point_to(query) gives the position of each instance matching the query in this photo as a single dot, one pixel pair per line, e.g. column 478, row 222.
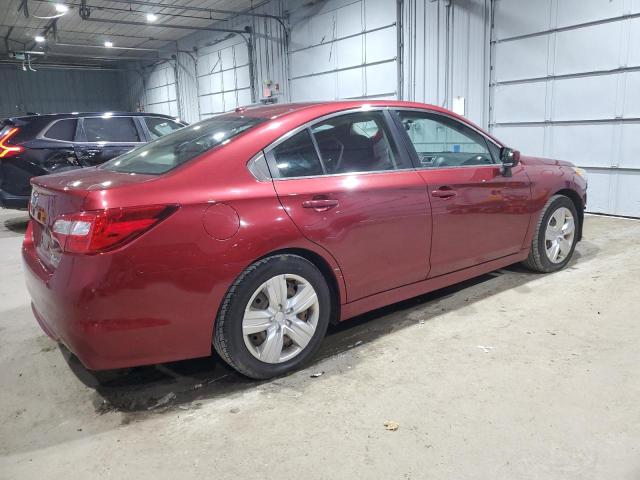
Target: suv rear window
column 62, row 130
column 170, row 151
column 159, row 127
column 110, row 129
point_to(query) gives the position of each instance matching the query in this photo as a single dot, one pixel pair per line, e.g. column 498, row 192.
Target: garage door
column 566, row 84
column 160, row 90
column 223, row 77
column 343, row 49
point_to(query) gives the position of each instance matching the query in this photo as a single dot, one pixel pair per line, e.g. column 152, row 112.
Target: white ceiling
column 72, row 29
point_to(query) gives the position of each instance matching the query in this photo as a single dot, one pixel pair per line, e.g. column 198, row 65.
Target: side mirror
column 509, row 159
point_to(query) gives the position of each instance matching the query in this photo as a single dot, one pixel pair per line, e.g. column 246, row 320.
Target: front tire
column 273, row 317
column 556, row 236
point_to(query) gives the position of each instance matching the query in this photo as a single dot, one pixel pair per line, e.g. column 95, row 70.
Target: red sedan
column 252, row 231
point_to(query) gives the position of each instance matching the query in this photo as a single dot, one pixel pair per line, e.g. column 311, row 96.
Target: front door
column 349, row 189
column 478, row 214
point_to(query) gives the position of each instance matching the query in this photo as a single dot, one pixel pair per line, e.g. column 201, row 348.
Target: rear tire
column 274, row 316
column 555, row 237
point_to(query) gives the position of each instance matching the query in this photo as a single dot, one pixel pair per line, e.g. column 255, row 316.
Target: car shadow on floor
column 186, row 384
column 15, row 223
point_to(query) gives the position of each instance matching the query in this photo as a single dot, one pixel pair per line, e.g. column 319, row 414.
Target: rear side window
column 357, row 142
column 168, row 152
column 4, row 128
column 296, row 157
column 110, row 129
column 350, row 143
column 159, row 127
column 62, row 130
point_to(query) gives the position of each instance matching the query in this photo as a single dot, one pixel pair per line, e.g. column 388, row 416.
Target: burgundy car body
column 155, row 298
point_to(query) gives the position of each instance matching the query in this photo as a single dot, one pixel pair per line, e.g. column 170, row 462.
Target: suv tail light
column 7, row 150
column 101, row 230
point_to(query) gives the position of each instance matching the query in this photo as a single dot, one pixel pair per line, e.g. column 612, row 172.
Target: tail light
column 7, row 150
column 101, row 230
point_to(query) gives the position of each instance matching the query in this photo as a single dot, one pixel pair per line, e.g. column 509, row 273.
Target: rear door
column 351, row 190
column 103, row 138
column 478, row 214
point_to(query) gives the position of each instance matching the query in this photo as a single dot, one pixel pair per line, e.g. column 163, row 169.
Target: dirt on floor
column 511, row 375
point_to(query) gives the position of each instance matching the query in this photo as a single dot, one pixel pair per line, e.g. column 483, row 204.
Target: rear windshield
column 174, row 149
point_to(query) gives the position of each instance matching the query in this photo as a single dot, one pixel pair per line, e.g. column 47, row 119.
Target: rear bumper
column 110, row 317
column 15, row 186
column 8, row 200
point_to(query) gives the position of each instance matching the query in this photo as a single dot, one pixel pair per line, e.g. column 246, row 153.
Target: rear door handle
column 444, row 192
column 320, row 204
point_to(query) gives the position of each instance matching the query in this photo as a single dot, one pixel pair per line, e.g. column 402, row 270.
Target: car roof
column 55, row 116
column 308, row 111
column 311, row 109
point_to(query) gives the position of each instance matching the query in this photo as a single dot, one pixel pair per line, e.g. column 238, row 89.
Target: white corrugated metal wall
column 214, row 66
column 161, row 89
column 558, row 78
column 224, row 81
column 446, row 54
column 57, row 90
column 187, row 83
column 343, row 49
column 566, row 84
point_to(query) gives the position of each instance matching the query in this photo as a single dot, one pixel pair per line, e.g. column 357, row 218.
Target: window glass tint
column 296, row 157
column 4, row 129
column 159, row 127
column 63, row 130
column 441, row 142
column 110, row 129
column 161, row 155
column 357, row 142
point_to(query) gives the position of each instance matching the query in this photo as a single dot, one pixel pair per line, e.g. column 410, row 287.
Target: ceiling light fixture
column 61, row 8
column 151, row 17
column 108, row 44
column 39, row 39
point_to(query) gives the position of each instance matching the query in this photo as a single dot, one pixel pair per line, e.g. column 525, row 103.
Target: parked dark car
column 37, row 145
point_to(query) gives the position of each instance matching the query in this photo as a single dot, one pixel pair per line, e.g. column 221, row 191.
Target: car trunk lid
column 66, row 193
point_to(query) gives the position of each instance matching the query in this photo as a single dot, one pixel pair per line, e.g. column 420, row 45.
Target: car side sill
column 399, row 294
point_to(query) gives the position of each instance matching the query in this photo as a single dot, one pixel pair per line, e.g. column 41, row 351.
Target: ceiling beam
column 77, row 32
column 24, row 8
column 77, row 45
column 196, row 9
column 116, row 58
column 122, row 9
column 166, row 25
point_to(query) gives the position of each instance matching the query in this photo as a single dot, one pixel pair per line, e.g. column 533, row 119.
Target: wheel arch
column 325, row 268
column 577, row 201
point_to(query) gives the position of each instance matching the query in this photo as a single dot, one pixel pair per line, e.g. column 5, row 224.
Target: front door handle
column 444, row 192
column 320, row 204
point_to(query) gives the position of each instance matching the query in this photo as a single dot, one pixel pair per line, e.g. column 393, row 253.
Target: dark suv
column 41, row 144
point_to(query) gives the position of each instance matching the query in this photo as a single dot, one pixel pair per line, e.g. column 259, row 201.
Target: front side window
column 111, row 129
column 62, row 130
column 159, row 127
column 168, row 152
column 441, row 142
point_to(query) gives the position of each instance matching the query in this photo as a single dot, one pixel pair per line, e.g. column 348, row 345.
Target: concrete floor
column 513, row 375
